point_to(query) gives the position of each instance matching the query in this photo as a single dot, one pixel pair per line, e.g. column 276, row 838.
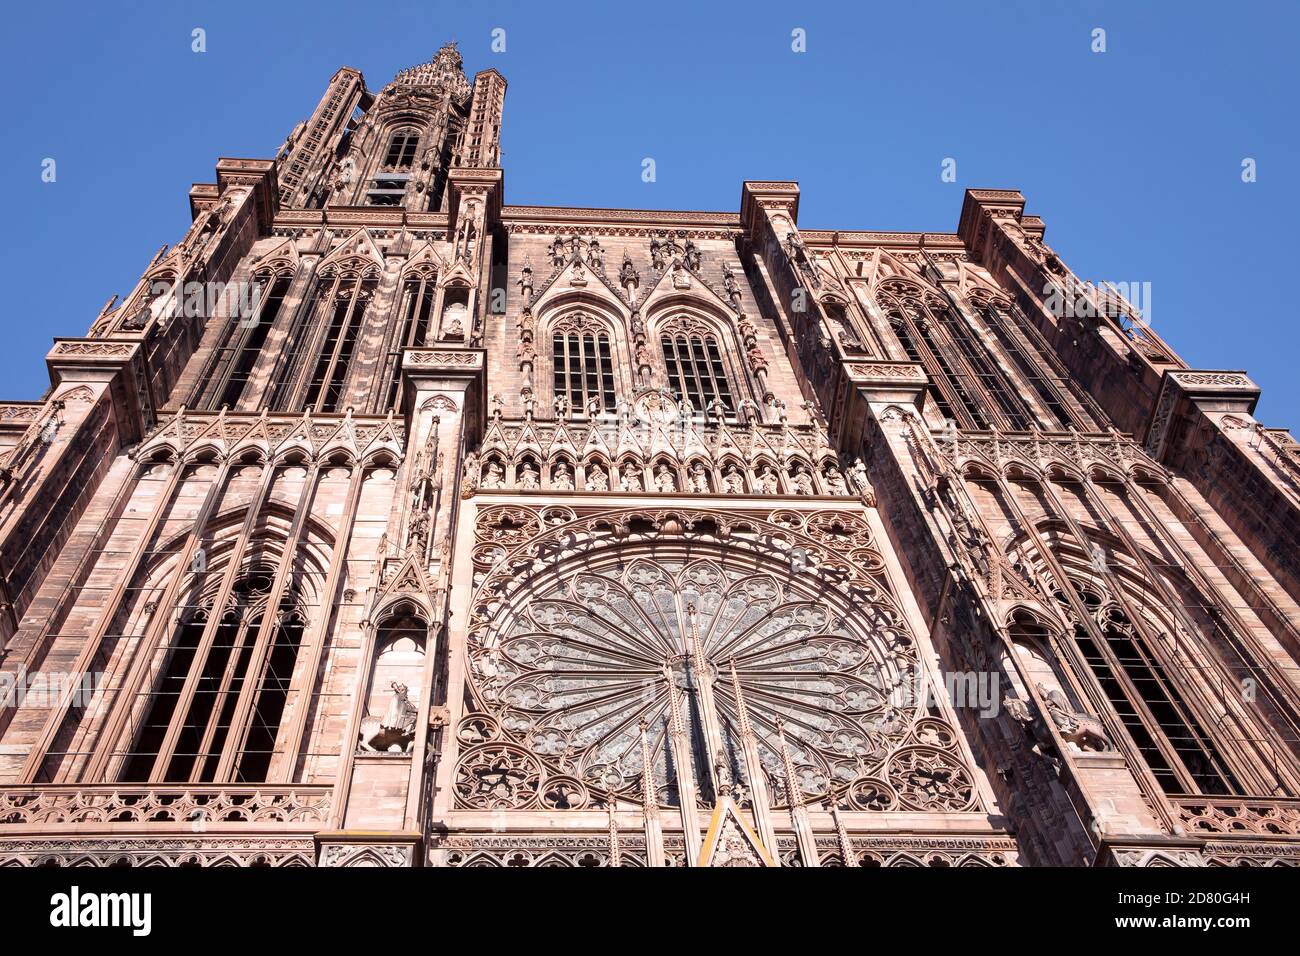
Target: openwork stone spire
column 444, row 71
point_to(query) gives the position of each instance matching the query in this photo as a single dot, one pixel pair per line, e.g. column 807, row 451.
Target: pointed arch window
column 696, row 370
column 414, row 316
column 221, row 691
column 583, row 364
column 234, row 364
column 1182, row 755
column 343, row 304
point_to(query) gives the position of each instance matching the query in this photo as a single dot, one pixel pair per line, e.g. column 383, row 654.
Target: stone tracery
column 589, row 648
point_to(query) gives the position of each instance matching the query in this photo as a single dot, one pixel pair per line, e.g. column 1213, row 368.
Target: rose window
column 563, row 679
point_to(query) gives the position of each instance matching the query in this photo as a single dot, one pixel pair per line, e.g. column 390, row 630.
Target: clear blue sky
column 1133, row 157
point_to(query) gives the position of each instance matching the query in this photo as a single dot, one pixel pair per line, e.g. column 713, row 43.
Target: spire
column 798, row 812
column 755, row 775
column 444, row 72
column 654, row 836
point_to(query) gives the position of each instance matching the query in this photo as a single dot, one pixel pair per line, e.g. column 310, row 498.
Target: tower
column 382, row 523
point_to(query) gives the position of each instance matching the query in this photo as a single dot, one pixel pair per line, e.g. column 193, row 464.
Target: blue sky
column 1132, row 156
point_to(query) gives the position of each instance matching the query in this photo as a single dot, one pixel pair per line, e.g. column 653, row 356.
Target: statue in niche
column 733, row 482
column 768, row 482
column 835, row 483
column 495, row 476
column 664, row 480
column 630, row 480
column 530, row 479
column 562, row 478
column 395, row 731
column 697, row 478
column 801, row 481
column 597, row 478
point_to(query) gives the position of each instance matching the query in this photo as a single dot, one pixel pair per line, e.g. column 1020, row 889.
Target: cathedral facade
column 384, row 523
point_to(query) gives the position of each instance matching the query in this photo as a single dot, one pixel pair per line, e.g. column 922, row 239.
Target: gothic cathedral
column 384, row 523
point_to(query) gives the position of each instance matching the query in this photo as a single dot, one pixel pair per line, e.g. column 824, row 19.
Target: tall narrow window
column 221, row 691
column 696, row 371
column 235, row 363
column 415, row 312
column 1182, row 756
column 584, row 369
column 992, row 381
column 329, row 375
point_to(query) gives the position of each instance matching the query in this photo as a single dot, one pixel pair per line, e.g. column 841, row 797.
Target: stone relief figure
column 530, row 478
column 561, row 405
column 562, row 478
column 494, row 477
column 733, row 482
column 835, row 483
column 593, row 407
column 630, row 480
column 525, row 282
column 656, row 253
column 596, row 255
column 768, row 482
column 558, row 254
column 597, row 478
column 395, row 731
column 801, row 481
column 664, row 480
column 698, row 478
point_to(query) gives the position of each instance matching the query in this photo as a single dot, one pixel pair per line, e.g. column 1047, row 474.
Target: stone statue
column 862, row 484
column 768, row 483
column 1082, row 730
column 530, row 478
column 561, row 405
column 593, row 407
column 730, row 286
column 495, row 477
column 698, row 479
column 629, row 480
column 562, row 478
column 835, row 483
column 597, row 478
column 664, row 480
column 733, row 482
column 395, row 731
column 801, row 481
column 691, row 256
